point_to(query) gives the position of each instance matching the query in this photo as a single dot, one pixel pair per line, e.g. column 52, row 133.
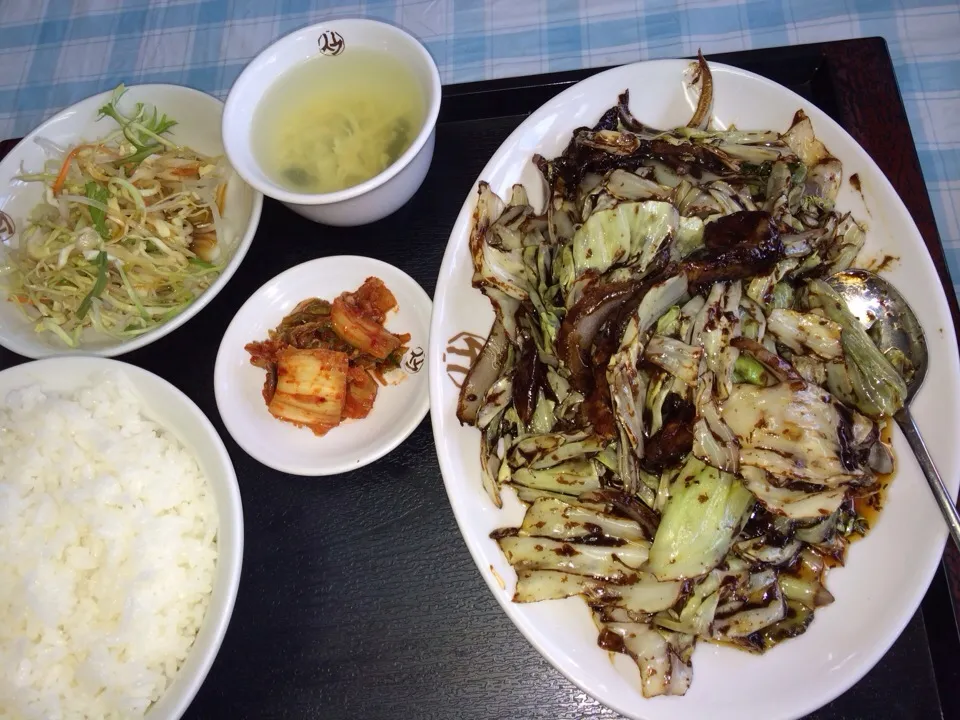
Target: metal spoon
column 893, row 324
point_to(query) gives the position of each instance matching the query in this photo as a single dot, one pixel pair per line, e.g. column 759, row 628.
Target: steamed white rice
column 107, row 554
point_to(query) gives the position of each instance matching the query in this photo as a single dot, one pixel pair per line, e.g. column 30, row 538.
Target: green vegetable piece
column 808, row 591
column 132, row 293
column 689, row 236
column 160, row 125
column 98, row 286
column 571, row 478
column 703, row 515
column 141, row 155
column 749, row 370
column 900, row 362
column 110, row 109
column 798, row 173
column 814, row 204
column 630, row 233
column 203, row 264
column 796, row 621
column 669, row 322
column 608, row 457
column 782, row 296
column 97, row 192
column 870, row 382
column 141, row 129
column 543, row 418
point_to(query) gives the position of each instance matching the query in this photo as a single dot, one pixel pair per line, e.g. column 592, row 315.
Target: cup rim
column 272, row 190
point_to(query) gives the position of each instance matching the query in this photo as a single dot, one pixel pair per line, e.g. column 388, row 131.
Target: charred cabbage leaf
column 700, row 521
column 865, row 378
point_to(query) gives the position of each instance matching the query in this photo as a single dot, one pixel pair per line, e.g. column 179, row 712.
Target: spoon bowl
column 888, row 319
column 895, row 329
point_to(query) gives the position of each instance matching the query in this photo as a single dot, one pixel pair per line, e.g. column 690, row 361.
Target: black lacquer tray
column 358, row 598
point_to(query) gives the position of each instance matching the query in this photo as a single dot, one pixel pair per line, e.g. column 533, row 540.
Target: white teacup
column 374, row 198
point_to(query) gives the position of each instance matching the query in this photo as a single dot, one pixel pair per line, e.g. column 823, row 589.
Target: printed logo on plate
column 465, row 345
column 7, row 226
column 414, row 360
column 331, row 43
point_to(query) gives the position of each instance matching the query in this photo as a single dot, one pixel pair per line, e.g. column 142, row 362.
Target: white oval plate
column 198, row 117
column 399, row 407
column 886, row 575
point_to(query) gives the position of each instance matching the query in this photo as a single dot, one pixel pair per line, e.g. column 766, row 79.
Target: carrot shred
column 186, row 170
column 65, row 168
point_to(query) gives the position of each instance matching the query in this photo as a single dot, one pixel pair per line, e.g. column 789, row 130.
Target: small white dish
column 398, row 409
column 179, row 415
column 382, row 194
column 198, row 118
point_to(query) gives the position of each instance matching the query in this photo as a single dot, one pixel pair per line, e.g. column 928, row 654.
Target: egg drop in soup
column 333, row 122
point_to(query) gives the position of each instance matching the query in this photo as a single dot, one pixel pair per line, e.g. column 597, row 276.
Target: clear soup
column 330, row 123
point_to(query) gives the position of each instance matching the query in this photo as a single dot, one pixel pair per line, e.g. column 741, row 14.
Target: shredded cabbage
column 129, row 234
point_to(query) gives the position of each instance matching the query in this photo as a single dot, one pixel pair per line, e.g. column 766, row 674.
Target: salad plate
column 886, row 574
column 197, row 117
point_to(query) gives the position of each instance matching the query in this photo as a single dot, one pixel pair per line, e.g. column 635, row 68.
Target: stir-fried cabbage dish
column 690, row 413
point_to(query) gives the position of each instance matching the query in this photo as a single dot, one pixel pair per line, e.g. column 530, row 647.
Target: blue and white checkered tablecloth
column 55, row 52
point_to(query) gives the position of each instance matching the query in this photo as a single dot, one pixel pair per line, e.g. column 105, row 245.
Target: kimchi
column 326, row 360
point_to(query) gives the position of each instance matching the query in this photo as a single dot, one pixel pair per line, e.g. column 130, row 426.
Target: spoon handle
column 947, row 506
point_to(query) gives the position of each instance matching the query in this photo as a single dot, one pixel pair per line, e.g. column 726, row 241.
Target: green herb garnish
column 98, row 286
column 201, row 263
column 142, row 129
column 97, row 192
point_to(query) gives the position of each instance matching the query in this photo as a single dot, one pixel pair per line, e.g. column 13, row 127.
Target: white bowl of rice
column 121, row 541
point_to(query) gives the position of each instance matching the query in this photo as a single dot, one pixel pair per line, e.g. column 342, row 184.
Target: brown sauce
column 611, row 641
column 868, row 506
column 887, row 262
column 501, row 533
column 882, row 264
column 857, row 185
